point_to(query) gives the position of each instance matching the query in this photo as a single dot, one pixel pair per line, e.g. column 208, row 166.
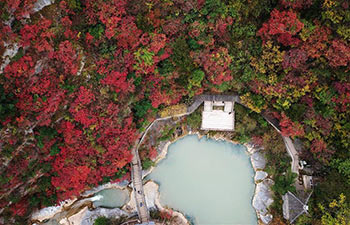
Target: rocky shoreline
column 262, row 198
column 80, row 210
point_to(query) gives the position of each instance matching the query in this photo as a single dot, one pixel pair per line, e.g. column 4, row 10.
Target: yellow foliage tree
column 270, row 61
column 337, row 213
column 173, row 110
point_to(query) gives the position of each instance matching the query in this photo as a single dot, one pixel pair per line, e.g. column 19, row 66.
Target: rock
column 258, row 161
column 10, row 51
column 76, row 218
column 151, row 192
column 39, row 66
column 259, row 176
column 266, row 219
column 41, row 4
column 87, row 217
column 263, row 197
column 91, row 216
column 49, row 212
column 250, row 148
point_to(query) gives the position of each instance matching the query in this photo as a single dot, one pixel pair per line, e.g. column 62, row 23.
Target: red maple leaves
column 118, row 81
column 290, row 128
column 283, row 25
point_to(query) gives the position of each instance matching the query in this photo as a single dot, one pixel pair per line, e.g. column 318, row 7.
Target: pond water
column 209, row 181
column 112, row 198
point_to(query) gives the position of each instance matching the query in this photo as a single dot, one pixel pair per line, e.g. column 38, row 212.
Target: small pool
column 210, row 181
column 112, row 198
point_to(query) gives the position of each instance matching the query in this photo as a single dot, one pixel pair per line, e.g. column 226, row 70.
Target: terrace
column 218, row 115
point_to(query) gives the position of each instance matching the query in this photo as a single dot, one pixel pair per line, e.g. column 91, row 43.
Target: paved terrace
column 220, row 120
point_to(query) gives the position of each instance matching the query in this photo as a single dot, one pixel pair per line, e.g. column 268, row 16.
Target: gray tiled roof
column 293, row 207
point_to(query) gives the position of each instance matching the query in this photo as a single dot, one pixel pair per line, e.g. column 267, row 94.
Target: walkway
column 136, row 177
column 136, row 173
column 293, row 154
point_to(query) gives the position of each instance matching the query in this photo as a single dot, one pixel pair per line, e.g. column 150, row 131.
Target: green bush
column 19, row 55
column 196, row 79
column 194, row 120
column 7, row 105
column 75, row 5
column 96, row 31
column 102, row 221
column 147, row 163
column 181, row 57
column 284, row 183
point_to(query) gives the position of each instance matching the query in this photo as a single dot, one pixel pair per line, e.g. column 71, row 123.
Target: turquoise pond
column 209, row 181
column 112, row 198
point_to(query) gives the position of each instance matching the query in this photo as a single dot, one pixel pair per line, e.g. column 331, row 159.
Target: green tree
column 343, row 167
column 284, row 183
column 147, row 163
column 140, row 108
column 194, row 120
column 96, row 31
column 196, row 79
column 182, row 60
column 7, row 105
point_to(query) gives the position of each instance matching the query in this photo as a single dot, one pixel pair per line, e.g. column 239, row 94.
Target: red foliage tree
column 129, row 35
column 283, row 25
column 290, row 128
column 338, row 54
column 296, row 4
column 317, row 43
column 216, row 65
column 67, row 58
column 20, row 208
column 85, row 96
column 152, row 153
column 71, row 180
column 295, row 59
column 319, row 148
column 118, row 81
column 20, row 8
column 343, row 98
column 109, row 13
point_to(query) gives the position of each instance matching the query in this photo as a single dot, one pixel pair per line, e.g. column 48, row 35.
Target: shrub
column 102, row 221
column 147, row 163
column 194, row 120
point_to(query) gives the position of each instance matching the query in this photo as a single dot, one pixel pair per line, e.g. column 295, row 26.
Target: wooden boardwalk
column 136, row 176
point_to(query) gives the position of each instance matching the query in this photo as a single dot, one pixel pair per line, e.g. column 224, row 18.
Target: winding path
column 136, row 173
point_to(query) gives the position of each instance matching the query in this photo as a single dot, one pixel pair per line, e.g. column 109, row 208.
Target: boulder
column 258, row 161
column 89, row 217
column 41, row 4
column 263, row 197
column 266, row 219
column 260, row 175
